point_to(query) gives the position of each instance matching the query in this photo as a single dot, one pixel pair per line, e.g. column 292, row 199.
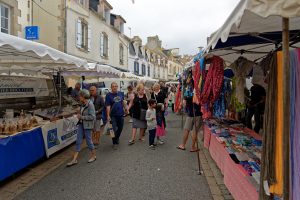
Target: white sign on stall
column 18, row 87
column 57, row 135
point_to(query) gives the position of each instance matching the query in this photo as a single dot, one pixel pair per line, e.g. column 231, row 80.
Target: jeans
column 117, row 124
column 256, row 111
column 152, row 134
column 88, row 137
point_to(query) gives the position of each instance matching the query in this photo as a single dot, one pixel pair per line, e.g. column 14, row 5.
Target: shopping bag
column 111, row 130
column 105, row 129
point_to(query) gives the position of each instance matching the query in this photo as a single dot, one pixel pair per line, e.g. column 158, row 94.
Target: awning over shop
column 129, row 75
column 95, row 70
column 20, row 52
column 254, row 28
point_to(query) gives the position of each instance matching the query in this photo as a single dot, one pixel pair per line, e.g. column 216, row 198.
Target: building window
column 121, row 54
column 84, row 35
column 4, row 14
column 174, row 71
column 136, row 68
column 104, row 45
column 149, row 71
column 81, row 2
column 143, row 70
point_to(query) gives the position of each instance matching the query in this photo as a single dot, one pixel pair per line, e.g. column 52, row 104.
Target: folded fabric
column 234, row 158
column 242, row 156
column 253, row 182
column 256, row 176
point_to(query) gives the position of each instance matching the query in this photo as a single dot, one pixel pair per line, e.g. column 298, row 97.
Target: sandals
column 180, row 148
column 131, row 142
column 92, row 159
column 194, row 150
column 73, row 162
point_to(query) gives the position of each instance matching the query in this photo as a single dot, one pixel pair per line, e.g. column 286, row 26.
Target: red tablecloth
column 206, row 134
column 235, row 177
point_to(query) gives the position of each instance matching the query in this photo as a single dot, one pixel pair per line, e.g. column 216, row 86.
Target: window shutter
column 107, row 47
column 79, row 34
column 101, row 44
column 89, row 38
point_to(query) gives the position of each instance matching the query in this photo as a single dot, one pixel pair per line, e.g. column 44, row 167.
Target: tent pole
column 182, row 96
column 59, row 91
column 286, row 108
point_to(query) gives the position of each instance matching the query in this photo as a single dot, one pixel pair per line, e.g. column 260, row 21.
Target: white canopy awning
column 148, row 79
column 253, row 17
column 19, row 52
column 129, row 75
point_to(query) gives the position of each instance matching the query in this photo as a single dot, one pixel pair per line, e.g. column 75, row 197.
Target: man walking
column 115, row 105
column 99, row 106
column 193, row 120
column 75, row 91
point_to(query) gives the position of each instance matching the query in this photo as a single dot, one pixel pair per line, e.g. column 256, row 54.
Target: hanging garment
column 241, row 68
column 258, row 76
column 269, row 136
column 277, row 188
column 295, row 125
column 220, row 104
column 213, row 82
column 196, row 77
column 178, row 99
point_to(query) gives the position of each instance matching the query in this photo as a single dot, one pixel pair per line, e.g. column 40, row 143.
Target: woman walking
column 139, row 108
column 85, row 126
column 161, row 97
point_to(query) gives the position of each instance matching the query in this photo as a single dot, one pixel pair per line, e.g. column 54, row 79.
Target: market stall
column 29, row 102
column 259, row 33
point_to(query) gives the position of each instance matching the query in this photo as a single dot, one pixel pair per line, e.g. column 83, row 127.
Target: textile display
column 237, row 152
column 197, row 87
column 234, row 103
column 20, row 151
column 258, row 76
column 241, row 68
column 277, row 188
column 214, row 80
column 295, row 126
column 222, row 103
column 269, row 137
column 178, row 103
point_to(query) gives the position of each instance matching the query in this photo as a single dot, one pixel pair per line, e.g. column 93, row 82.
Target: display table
column 236, row 178
column 20, row 151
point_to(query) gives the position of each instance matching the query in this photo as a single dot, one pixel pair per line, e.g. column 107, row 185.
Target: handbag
column 111, row 131
column 142, row 112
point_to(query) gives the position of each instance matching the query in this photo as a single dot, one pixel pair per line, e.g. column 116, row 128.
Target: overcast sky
column 178, row 23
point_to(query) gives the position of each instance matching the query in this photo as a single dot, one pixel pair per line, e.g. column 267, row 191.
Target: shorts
column 189, row 123
column 97, row 125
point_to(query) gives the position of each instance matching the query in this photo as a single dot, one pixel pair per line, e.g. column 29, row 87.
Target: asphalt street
column 131, row 172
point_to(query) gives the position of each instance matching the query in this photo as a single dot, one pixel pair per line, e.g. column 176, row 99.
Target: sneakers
column 152, row 147
column 131, row 142
column 160, row 141
column 92, row 159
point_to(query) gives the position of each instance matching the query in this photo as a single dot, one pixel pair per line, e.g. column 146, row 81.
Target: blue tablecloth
column 19, row 151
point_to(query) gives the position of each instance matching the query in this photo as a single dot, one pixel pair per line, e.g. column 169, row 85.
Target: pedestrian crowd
column 147, row 108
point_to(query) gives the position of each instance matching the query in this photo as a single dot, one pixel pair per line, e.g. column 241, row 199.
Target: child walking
column 160, row 128
column 151, row 122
